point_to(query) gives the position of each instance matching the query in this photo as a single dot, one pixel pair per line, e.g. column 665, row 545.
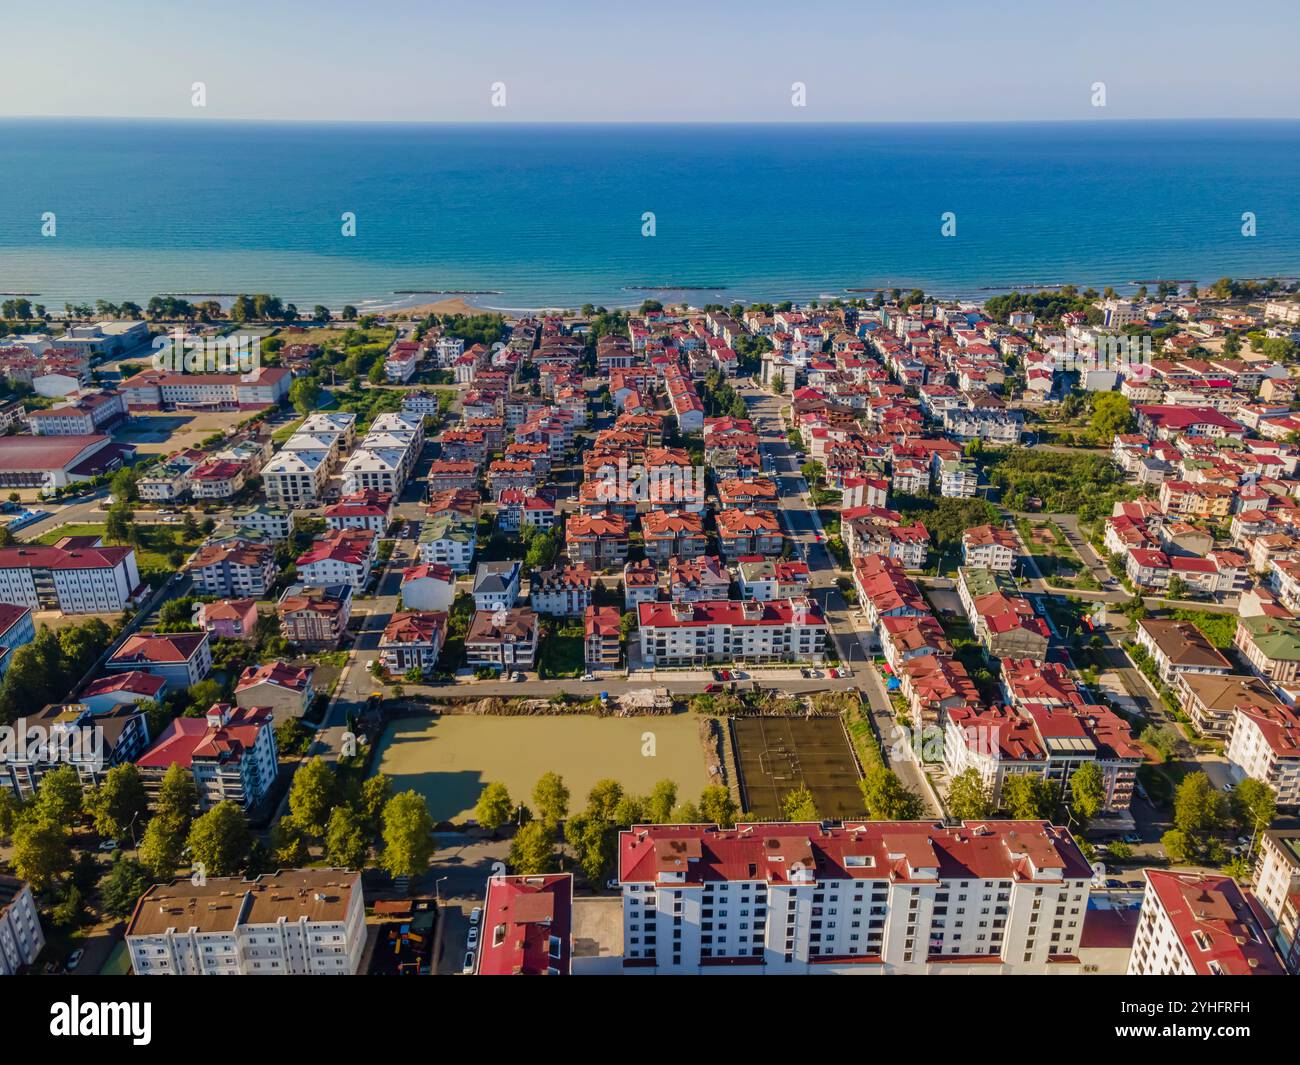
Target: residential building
column 428, row 586
column 598, row 540
column 562, row 591
column 705, row 632
column 182, row 659
column 1179, row 647
column 1211, row 699
column 1196, row 924
column 287, row 690
column 295, row 922
column 1265, row 744
column 16, row 629
column 496, row 585
column 503, row 639
column 74, row 580
column 448, row 538
column 344, row 556
column 21, row 937
column 1271, row 646
column 1277, row 887
column 768, row 578
column 527, row 926
column 227, row 619
column 749, row 532
column 412, row 640
column 234, row 568
column 230, row 752
column 990, row 547
column 603, row 637
column 867, row 897
column 315, row 617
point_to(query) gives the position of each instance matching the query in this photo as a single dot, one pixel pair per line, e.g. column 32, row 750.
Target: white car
column 589, row 676
column 471, row 941
column 467, row 966
column 108, row 845
column 475, row 914
column 74, row 959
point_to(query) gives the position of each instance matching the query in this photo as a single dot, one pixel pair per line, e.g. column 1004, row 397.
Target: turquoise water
column 552, row 215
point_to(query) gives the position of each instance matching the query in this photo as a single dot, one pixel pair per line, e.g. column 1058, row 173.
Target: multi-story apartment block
column 412, row 639
column 315, row 617
column 296, row 478
column 230, row 752
column 70, row 578
column 562, row 591
column 503, row 639
column 182, row 659
column 1265, row 744
column 344, row 556
column 448, row 538
column 1179, row 647
column 995, row 897
column 295, row 922
column 234, row 568
column 990, row 547
column 1271, row 646
column 21, row 937
column 700, row 633
column 496, row 585
column 597, row 540
column 749, row 532
column 1194, row 924
column 1277, row 887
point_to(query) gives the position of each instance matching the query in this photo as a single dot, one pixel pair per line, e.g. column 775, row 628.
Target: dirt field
column 162, row 433
column 449, row 759
column 778, row 754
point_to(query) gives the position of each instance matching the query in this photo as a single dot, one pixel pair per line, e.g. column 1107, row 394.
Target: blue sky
column 670, row 61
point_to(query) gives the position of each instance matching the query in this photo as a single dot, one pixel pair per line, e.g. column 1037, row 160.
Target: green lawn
column 562, row 653
column 1219, row 629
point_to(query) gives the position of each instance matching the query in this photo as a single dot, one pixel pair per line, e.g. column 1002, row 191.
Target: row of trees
column 40, row 671
column 1028, row 796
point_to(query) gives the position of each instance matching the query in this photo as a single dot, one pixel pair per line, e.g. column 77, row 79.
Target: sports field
column 448, row 759
column 777, row 755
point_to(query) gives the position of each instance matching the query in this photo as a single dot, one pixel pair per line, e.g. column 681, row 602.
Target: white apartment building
column 230, row 753
column 1194, row 924
column 1265, row 744
column 296, row 478
column 344, row 423
column 988, row 547
column 90, row 580
column 996, row 897
column 345, row 556
column 1277, row 888
column 383, row 471
column 21, row 938
column 721, row 630
column 295, row 922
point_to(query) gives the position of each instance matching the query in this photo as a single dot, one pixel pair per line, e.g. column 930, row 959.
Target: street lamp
column 437, row 886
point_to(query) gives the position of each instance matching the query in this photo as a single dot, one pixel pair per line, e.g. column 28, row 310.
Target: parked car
column 1113, row 883
column 613, row 883
column 74, row 959
column 475, row 914
column 471, row 941
column 1132, row 837
column 108, row 845
column 589, row 676
column 467, row 966
column 711, row 688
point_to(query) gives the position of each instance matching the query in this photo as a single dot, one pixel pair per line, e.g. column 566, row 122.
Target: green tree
column 178, row 795
column 42, row 851
column 799, row 805
column 1111, row 415
column 59, row 796
column 1178, row 845
column 408, row 835
column 551, row 798
column 969, row 798
column 604, row 797
column 592, row 839
column 1027, row 797
column 1199, row 809
column 122, row 886
column 304, row 394
column 289, row 844
column 375, row 793
column 312, row 795
column 494, row 807
column 886, row 798
column 163, row 847
column 717, row 806
column 118, row 802
column 1254, row 805
column 1088, row 790
column 219, row 840
column 660, row 802
column 532, row 851
column 10, row 812
column 346, row 842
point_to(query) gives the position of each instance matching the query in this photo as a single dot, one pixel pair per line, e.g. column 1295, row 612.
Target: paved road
column 804, row 528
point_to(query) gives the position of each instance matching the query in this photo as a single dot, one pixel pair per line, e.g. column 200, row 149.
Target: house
column 315, row 616
column 230, row 753
column 428, row 586
column 412, row 641
column 667, row 534
column 990, row 547
column 449, row 538
column 229, row 619
column 121, row 689
column 286, row 690
column 905, row 638
column 361, row 510
column 561, row 591
column 496, row 585
column 603, row 637
column 181, row 659
column 502, row 639
column 1179, row 647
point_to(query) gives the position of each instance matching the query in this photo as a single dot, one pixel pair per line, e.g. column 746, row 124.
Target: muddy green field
column 449, row 759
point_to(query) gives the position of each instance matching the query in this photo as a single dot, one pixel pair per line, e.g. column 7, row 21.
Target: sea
column 527, row 216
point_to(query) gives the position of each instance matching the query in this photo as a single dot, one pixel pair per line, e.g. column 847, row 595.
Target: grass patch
column 562, row 653
column 1219, row 629
column 158, row 555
